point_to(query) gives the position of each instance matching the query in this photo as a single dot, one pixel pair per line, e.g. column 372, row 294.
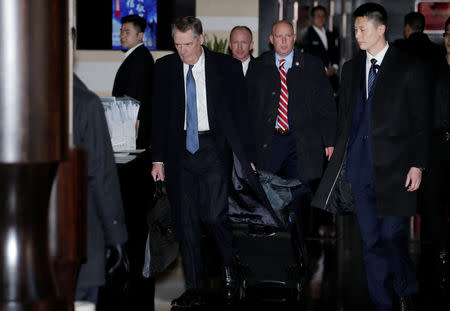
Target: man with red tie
column 294, row 117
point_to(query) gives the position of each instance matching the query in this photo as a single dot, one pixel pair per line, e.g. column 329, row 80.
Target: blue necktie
column 372, row 76
column 191, row 113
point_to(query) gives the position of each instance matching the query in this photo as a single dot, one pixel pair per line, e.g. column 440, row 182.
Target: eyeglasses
column 446, row 34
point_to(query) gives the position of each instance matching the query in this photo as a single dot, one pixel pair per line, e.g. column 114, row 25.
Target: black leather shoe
column 189, row 299
column 229, row 279
column 406, row 303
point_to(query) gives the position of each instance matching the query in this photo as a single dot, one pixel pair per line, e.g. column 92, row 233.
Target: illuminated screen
column 143, row 8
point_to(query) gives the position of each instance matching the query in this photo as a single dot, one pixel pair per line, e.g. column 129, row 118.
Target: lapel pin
column 297, row 64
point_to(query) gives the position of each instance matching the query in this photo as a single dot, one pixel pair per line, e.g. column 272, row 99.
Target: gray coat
column 105, row 217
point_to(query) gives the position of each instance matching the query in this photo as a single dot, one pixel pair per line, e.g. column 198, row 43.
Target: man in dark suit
column 380, row 151
column 200, row 118
column 322, row 43
column 418, row 43
column 134, row 77
column 294, row 114
column 434, row 221
column 241, row 45
column 105, row 215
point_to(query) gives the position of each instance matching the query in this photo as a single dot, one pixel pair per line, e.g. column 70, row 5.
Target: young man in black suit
column 200, row 119
column 381, row 150
column 134, row 77
column 320, row 42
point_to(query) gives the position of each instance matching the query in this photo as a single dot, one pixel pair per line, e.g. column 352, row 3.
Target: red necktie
column 282, row 119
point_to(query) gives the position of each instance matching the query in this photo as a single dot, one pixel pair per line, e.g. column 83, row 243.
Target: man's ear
column 271, row 39
column 381, row 29
column 202, row 39
column 140, row 36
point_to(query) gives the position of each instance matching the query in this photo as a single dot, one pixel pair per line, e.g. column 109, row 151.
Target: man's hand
column 330, row 71
column 116, row 256
column 413, row 179
column 329, row 152
column 158, row 171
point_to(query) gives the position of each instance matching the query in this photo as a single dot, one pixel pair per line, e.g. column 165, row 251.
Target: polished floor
column 335, row 278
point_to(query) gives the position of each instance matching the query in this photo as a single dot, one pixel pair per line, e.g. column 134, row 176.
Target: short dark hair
column 446, row 23
column 416, row 21
column 373, row 11
column 186, row 23
column 318, row 8
column 138, row 22
column 242, row 28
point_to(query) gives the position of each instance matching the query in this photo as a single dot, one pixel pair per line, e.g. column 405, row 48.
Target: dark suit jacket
column 314, row 46
column 399, row 129
column 105, row 216
column 227, row 114
column 134, row 78
column 311, row 109
column 420, row 45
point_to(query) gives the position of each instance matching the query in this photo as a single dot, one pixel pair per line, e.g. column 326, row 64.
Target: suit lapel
column 178, row 84
column 211, row 74
column 383, row 76
column 317, row 38
column 269, row 63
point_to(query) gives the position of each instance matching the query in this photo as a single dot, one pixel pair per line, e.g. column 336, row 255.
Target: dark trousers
column 284, row 163
column 204, row 204
column 87, row 294
column 435, row 195
column 389, row 268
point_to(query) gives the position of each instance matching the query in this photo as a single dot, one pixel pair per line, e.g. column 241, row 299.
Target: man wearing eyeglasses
column 322, row 43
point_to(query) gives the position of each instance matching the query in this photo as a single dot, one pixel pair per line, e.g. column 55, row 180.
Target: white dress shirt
column 198, row 71
column 245, row 65
column 379, row 57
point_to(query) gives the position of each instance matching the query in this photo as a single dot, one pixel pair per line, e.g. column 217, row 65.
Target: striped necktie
column 282, row 118
column 372, row 76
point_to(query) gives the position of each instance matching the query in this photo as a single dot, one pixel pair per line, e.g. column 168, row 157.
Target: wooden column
column 33, row 140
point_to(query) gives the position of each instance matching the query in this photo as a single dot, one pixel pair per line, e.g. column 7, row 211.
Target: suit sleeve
column 419, row 94
column 160, row 112
column 325, row 106
column 103, row 181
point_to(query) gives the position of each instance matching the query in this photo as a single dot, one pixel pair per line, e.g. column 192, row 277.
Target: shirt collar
column 319, row 30
column 289, row 58
column 132, row 49
column 379, row 57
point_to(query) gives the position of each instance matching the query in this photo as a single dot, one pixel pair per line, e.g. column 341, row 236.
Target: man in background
column 322, row 43
column 135, row 75
column 418, row 43
column 241, row 45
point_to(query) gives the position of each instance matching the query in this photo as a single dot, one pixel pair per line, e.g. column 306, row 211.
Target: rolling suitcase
column 272, row 259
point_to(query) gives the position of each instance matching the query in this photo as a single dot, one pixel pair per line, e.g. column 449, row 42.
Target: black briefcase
column 161, row 248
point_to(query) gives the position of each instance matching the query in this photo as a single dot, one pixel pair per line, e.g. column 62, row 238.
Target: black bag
column 161, row 248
